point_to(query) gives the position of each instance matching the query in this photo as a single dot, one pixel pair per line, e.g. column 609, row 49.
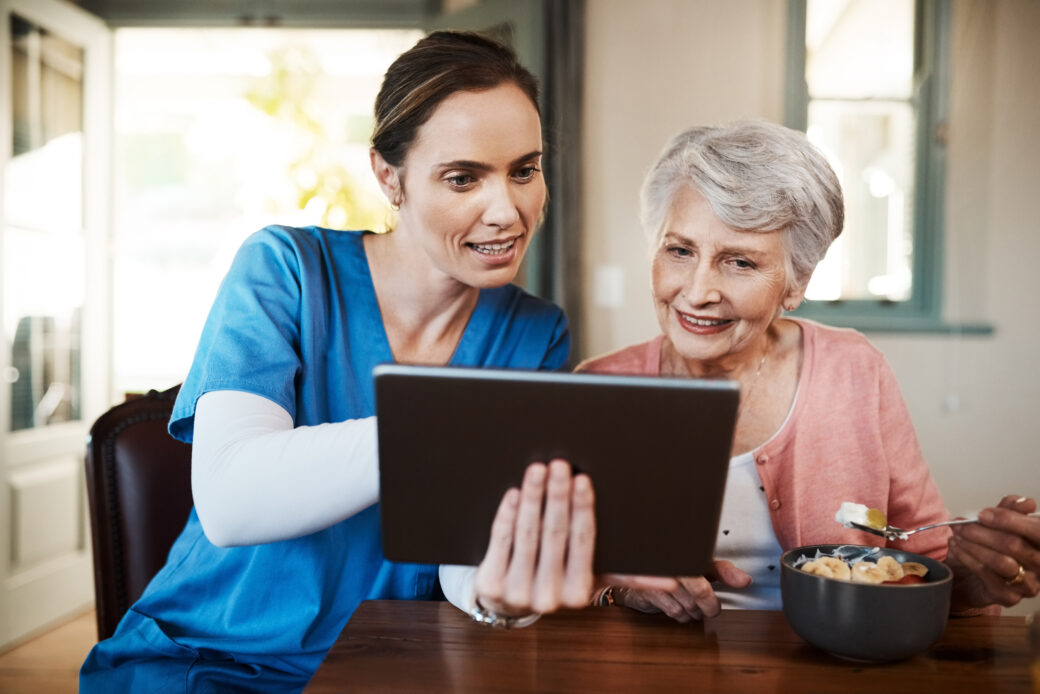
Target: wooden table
column 397, row 646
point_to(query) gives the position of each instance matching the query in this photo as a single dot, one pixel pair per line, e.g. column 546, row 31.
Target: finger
column 548, row 577
column 581, row 543
column 684, row 598
column 525, row 538
column 997, row 561
column 669, row 604
column 1008, row 532
column 635, row 599
column 665, row 584
column 728, row 573
column 1018, row 503
column 490, row 576
column 997, row 588
column 1010, row 520
column 703, row 596
column 693, row 594
column 1030, row 585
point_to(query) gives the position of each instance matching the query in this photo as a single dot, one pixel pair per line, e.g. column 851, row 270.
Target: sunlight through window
column 859, row 72
column 220, row 132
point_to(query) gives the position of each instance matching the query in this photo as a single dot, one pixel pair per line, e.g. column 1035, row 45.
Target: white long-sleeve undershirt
column 458, row 586
column 256, row 478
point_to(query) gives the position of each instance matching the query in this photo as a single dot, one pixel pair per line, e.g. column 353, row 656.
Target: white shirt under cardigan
column 746, row 538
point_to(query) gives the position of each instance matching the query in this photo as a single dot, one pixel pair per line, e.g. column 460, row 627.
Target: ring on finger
column 1017, row 578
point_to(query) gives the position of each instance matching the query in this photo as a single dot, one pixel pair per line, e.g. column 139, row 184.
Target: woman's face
column 716, row 290
column 471, row 185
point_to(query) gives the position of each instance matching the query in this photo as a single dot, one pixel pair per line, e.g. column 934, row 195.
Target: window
column 219, row 132
column 868, row 84
column 42, row 281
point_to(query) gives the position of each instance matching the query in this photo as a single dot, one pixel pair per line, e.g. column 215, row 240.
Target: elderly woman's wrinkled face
column 716, row 290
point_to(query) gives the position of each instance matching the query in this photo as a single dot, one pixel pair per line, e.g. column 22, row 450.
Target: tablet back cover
column 453, row 440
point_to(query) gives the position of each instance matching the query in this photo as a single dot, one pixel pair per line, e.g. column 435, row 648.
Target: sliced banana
column 885, row 570
column 867, row 572
column 892, row 568
column 913, row 568
column 828, row 567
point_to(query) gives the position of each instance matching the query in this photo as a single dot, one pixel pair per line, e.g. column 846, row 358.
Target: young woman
column 283, row 543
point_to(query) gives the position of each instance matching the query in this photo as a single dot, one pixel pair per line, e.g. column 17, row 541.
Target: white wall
column 653, row 68
column 656, row 66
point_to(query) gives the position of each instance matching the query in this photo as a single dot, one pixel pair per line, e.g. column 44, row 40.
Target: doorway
column 53, row 298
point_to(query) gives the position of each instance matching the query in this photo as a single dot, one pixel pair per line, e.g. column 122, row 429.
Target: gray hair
column 756, row 176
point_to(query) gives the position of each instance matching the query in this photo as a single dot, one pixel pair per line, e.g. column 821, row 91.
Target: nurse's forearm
column 255, row 478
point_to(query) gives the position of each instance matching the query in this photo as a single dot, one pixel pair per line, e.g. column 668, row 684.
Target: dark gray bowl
column 863, row 621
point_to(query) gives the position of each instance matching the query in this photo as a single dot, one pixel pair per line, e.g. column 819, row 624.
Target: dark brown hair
column 436, row 67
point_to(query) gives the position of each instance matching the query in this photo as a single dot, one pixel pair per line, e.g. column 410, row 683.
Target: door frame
column 34, row 598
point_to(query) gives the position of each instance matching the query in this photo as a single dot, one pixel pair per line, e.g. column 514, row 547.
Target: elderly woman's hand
column 997, row 560
column 693, row 598
column 539, row 559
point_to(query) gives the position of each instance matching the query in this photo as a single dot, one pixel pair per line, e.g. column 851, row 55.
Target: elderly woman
column 739, row 217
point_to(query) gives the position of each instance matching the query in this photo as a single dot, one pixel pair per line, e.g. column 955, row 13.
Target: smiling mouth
column 493, row 248
column 703, row 322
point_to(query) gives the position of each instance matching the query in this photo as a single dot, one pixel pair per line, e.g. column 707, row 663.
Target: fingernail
column 986, row 515
column 1020, row 499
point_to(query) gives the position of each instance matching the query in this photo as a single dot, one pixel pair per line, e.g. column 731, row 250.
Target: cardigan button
column 774, row 504
column 762, row 459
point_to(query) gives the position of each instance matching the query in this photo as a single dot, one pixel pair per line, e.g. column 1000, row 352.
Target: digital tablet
column 453, row 440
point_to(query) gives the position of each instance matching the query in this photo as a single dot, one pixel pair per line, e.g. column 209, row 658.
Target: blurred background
column 141, row 142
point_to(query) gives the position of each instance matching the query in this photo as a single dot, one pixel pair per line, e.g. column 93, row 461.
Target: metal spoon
column 891, row 532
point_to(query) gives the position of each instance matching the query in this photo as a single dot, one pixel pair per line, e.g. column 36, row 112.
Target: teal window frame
column 922, row 311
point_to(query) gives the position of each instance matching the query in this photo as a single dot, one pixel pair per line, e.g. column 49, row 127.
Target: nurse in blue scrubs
column 283, row 542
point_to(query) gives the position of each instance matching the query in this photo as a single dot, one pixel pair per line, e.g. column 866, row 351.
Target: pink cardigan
column 848, row 438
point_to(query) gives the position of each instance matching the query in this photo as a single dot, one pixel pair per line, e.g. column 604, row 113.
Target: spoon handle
column 903, row 534
column 890, row 532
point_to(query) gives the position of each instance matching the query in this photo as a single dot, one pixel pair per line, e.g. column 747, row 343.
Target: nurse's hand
column 539, row 560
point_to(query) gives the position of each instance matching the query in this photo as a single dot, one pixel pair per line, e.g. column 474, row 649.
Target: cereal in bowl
column 853, row 564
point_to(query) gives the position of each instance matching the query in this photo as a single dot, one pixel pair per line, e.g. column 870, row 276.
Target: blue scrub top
column 295, row 321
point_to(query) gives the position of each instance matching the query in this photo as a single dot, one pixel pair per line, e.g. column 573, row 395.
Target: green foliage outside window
column 291, row 94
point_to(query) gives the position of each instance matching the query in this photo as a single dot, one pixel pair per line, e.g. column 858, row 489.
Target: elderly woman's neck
column 744, row 365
